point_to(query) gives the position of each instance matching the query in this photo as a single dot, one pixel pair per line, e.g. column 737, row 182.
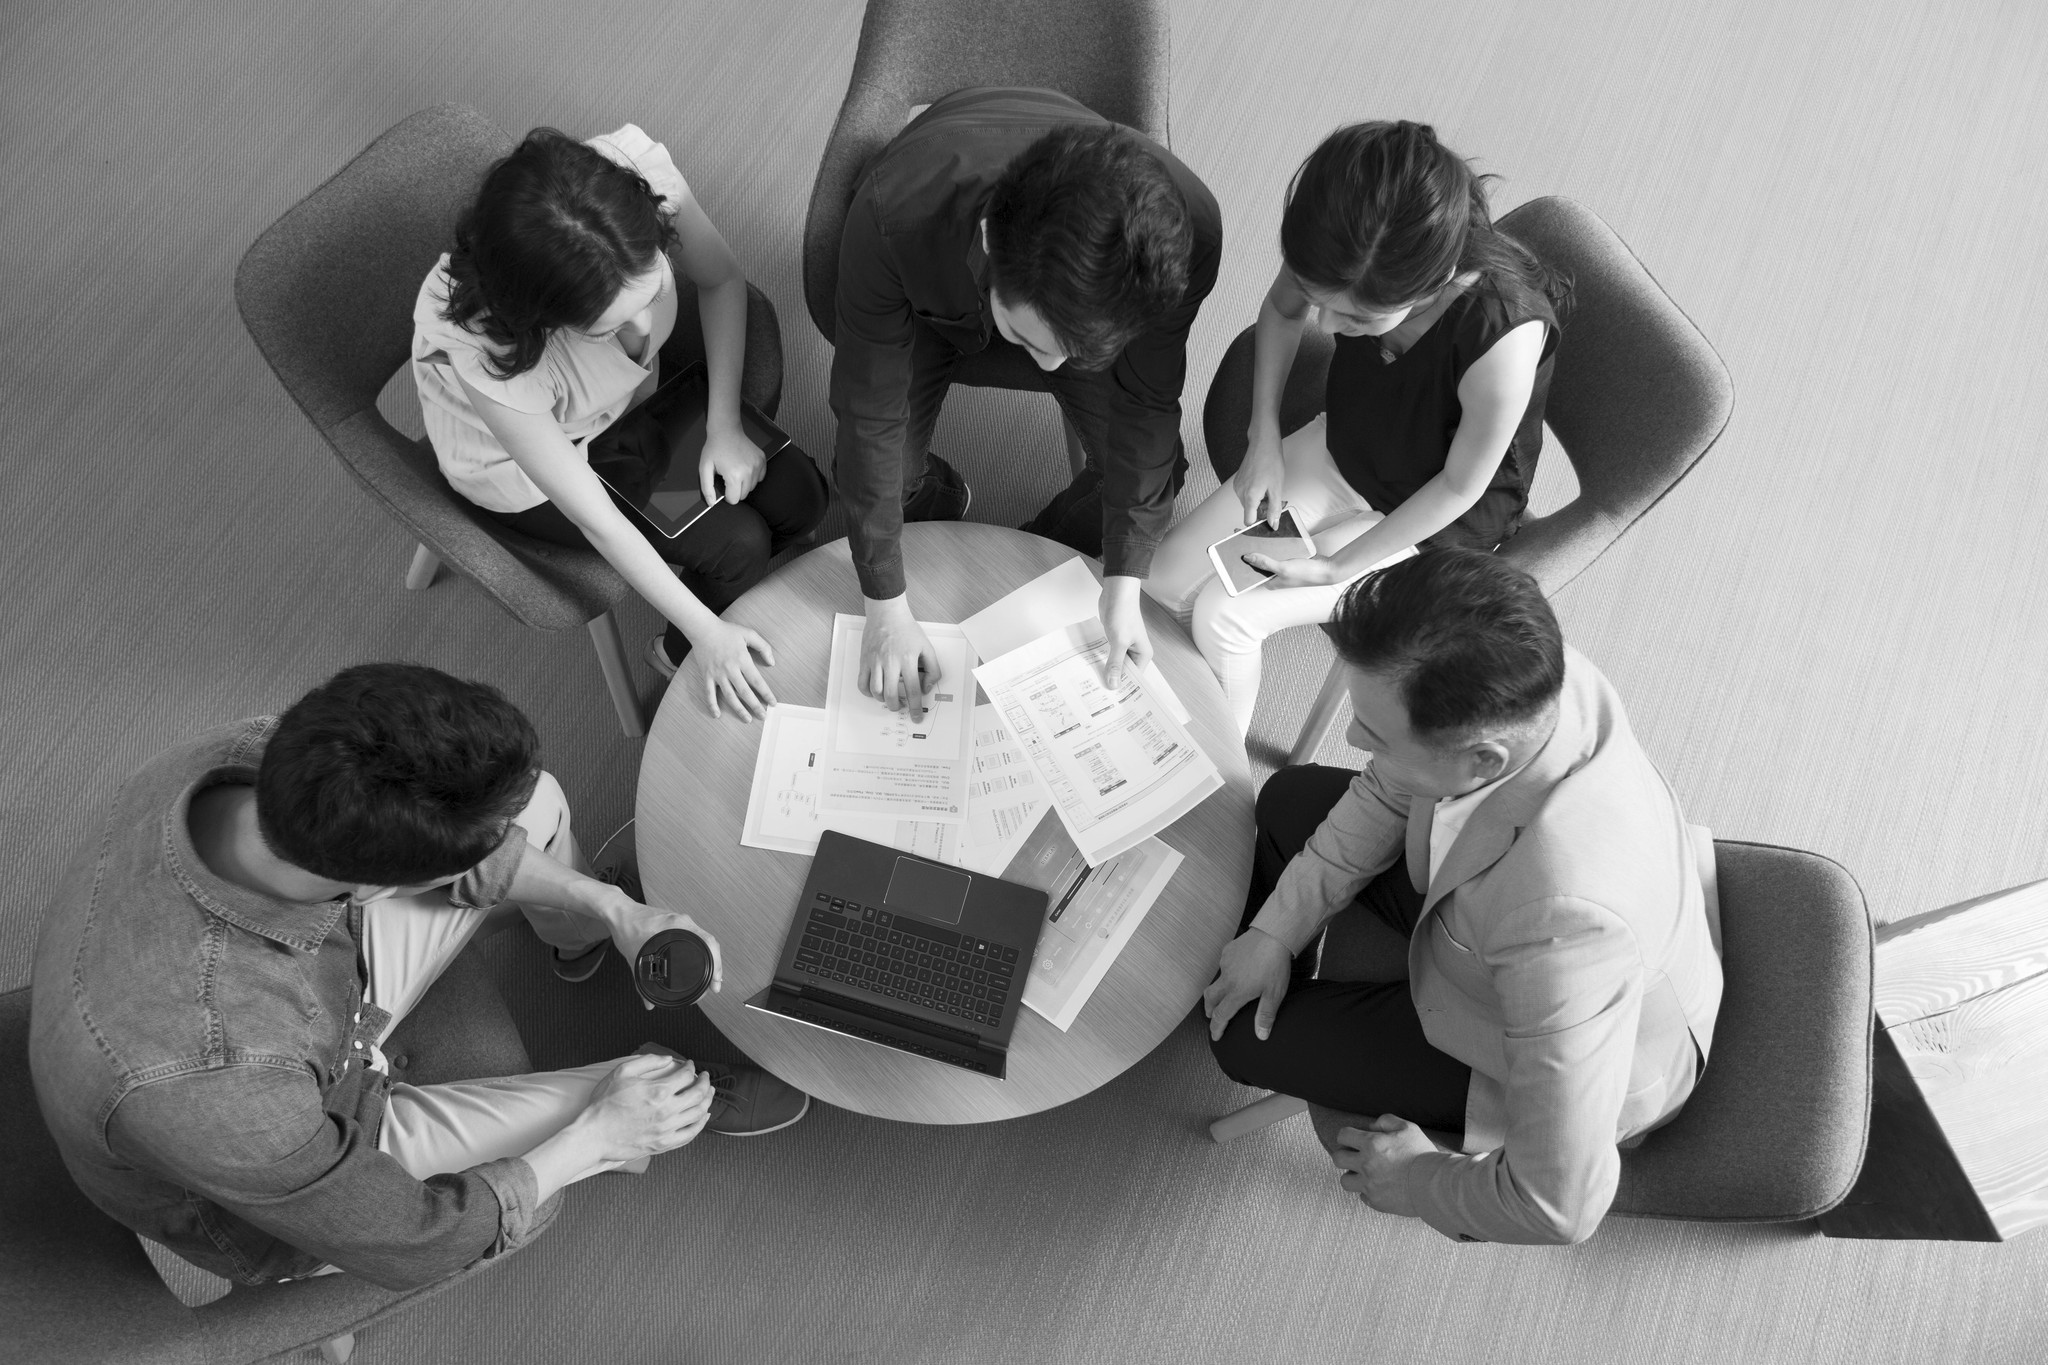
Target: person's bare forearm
column 1428, row 509
column 626, row 550
column 562, row 1160
column 1276, row 339
column 723, row 311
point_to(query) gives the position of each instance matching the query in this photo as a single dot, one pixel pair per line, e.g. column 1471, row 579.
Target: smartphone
column 1285, row 541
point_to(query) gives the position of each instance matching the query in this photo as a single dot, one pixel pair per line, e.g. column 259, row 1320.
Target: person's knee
column 1241, row 1054
column 546, row 814
column 1225, row 624
column 744, row 548
column 1282, row 795
column 798, row 498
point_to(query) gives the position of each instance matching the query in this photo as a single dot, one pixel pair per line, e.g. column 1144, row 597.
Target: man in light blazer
column 1563, row 970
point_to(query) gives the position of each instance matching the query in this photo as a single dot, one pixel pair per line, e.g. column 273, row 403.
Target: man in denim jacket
column 262, row 906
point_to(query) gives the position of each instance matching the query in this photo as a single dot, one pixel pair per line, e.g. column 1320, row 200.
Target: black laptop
column 908, row 952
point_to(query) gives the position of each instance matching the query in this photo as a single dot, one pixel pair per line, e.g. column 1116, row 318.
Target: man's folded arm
column 1360, row 838
column 1570, row 984
column 255, row 1140
column 873, row 330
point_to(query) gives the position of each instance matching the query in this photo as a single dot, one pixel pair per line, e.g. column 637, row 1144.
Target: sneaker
column 943, row 496
column 657, row 656
column 749, row 1102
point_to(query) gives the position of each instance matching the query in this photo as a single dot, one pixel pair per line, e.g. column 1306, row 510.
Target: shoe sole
column 758, row 1132
column 586, row 962
column 657, row 659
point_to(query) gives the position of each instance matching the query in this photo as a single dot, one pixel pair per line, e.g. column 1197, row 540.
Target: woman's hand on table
column 721, row 666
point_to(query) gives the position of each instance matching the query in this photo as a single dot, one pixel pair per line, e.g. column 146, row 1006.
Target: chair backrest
column 327, row 294
column 1111, row 55
column 1776, row 1127
column 1637, row 397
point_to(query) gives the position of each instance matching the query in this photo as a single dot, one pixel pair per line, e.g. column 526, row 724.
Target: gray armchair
column 327, row 294
column 1775, row 1129
column 1637, row 398
column 1111, row 55
column 76, row 1287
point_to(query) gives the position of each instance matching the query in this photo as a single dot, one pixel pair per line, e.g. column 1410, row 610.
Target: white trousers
column 1231, row 631
column 407, row 943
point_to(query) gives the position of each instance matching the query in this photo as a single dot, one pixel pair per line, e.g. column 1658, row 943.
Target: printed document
column 1004, row 800
column 1092, row 914
column 881, row 762
column 1062, row 596
column 1118, row 766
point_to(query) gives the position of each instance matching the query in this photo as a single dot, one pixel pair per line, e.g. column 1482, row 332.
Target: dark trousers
column 1350, row 1045
column 1074, row 516
column 727, row 550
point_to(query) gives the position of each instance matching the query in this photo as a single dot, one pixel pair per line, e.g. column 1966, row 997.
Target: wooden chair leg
column 1320, row 715
column 424, row 567
column 1256, row 1115
column 618, row 673
column 1077, row 457
column 337, row 1350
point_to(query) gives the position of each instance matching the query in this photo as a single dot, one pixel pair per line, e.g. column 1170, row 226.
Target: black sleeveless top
column 1390, row 423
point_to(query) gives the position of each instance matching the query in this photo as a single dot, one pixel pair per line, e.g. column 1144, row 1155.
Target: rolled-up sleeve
column 1570, row 984
column 490, row 881
column 257, row 1141
column 871, row 366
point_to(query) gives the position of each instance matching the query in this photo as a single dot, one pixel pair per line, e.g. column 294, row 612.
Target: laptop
column 910, row 953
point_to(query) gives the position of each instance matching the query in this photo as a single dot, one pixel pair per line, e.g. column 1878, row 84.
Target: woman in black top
column 1445, row 329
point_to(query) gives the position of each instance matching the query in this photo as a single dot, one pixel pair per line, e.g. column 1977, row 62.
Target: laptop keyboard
column 905, row 959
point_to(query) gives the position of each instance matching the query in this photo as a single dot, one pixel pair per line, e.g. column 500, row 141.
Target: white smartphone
column 1285, row 541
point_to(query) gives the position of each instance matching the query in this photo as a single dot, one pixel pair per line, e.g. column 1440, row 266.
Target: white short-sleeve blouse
column 585, row 384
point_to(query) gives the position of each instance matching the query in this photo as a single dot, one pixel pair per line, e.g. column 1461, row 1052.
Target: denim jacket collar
column 298, row 925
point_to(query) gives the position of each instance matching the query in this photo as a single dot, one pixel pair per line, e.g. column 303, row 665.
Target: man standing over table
column 1563, row 976
column 1022, row 224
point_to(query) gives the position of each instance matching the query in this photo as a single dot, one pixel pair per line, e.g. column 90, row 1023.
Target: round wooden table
column 694, row 780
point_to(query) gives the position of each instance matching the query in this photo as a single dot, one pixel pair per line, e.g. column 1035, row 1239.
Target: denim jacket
column 202, row 1056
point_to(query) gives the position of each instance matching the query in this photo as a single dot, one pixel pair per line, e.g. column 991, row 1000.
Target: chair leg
column 337, row 1350
column 1077, row 457
column 1256, row 1115
column 1320, row 715
column 618, row 673
column 424, row 567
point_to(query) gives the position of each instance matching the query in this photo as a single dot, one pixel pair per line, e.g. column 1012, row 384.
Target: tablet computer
column 1285, row 541
column 679, row 405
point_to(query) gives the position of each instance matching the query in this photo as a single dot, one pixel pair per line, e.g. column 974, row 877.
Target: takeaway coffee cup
column 673, row 968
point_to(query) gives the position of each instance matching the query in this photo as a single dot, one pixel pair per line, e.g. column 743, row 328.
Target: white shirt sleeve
column 630, row 147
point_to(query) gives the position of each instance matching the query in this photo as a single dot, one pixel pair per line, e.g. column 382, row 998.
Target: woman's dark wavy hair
column 394, row 774
column 555, row 233
column 1386, row 213
column 1087, row 228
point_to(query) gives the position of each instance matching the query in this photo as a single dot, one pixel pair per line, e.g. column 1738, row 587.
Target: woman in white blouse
column 546, row 325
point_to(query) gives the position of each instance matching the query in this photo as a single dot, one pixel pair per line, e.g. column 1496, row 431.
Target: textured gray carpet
column 1829, row 635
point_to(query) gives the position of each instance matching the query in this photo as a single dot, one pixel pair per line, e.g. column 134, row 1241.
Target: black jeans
column 728, row 549
column 1350, row 1045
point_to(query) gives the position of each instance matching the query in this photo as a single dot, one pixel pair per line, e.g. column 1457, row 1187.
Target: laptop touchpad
column 933, row 893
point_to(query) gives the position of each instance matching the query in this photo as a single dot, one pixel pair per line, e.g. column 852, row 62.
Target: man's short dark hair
column 1087, row 228
column 1470, row 639
column 394, row 774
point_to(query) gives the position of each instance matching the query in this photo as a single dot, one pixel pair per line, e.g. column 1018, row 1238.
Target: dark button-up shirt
column 201, row 1054
column 911, row 256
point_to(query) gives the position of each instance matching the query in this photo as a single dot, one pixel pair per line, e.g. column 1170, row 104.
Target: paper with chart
column 881, row 762
column 1004, row 799
column 1091, row 916
column 1063, row 596
column 1118, row 766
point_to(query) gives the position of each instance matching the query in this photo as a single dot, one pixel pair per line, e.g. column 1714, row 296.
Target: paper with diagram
column 1004, row 800
column 1093, row 912
column 1062, row 596
column 882, row 762
column 1118, row 767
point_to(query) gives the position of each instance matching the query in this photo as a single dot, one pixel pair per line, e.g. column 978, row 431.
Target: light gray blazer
column 1567, row 952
